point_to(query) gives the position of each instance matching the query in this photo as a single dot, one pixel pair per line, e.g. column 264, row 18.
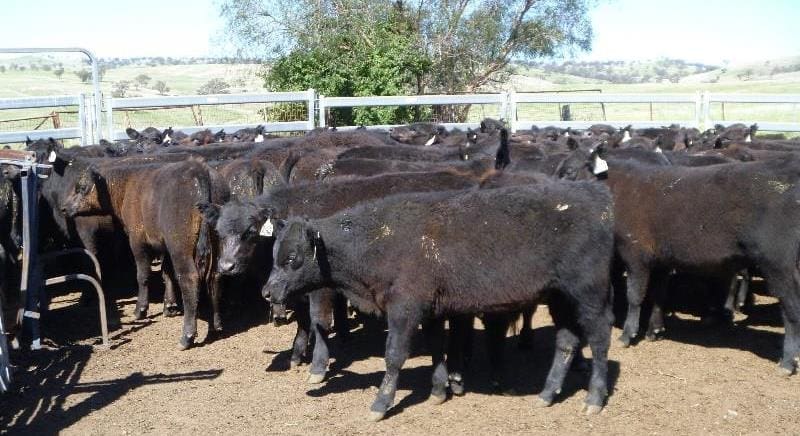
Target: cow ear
column 572, row 144
column 210, row 212
column 28, row 141
column 132, row 133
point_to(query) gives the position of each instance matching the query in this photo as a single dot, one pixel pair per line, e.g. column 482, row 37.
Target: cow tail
column 503, row 156
column 204, row 251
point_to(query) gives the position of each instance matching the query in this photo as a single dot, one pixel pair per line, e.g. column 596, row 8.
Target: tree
column 2, row 68
column 214, row 86
column 142, row 79
column 59, row 72
column 161, row 87
column 84, row 75
column 451, row 46
column 120, row 88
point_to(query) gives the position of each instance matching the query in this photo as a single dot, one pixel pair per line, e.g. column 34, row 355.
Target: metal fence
column 238, row 120
column 303, row 111
column 80, row 130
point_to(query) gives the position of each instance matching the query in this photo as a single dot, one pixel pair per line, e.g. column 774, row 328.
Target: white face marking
column 52, row 157
column 748, row 138
column 266, row 229
column 431, row 141
column 562, row 207
column 626, row 137
column 659, row 150
column 466, row 157
column 167, row 139
column 259, row 138
column 600, row 166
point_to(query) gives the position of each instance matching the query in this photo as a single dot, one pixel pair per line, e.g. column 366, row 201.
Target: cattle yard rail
column 82, row 131
column 777, row 100
column 143, row 103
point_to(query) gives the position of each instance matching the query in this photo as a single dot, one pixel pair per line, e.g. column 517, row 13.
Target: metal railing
column 325, row 103
column 515, row 99
column 722, row 99
column 82, row 132
column 306, row 97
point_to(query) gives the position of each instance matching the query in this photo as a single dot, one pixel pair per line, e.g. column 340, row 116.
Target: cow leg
column 188, row 281
column 170, row 297
column 496, row 327
column 215, row 292
column 143, row 261
column 596, row 325
column 458, row 341
column 638, row 279
column 402, row 323
column 525, row 341
column 300, row 345
column 340, row 320
column 434, row 333
column 658, row 294
column 321, row 310
column 567, row 341
column 787, row 290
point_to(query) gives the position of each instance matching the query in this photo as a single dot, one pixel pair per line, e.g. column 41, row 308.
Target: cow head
column 87, row 196
column 46, row 149
column 584, row 164
column 244, row 229
column 300, row 262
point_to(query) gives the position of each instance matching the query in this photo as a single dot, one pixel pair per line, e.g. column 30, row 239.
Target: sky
column 709, row 31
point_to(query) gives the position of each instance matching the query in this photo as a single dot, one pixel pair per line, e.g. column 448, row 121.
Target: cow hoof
column 171, row 311
column 652, row 337
column 375, row 416
column 457, row 387
column 625, row 341
column 785, row 372
column 185, row 343
column 140, row 314
column 315, row 379
column 591, row 409
column 294, row 364
column 435, row 400
column 542, row 403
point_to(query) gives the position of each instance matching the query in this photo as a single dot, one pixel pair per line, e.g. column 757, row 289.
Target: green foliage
column 214, row 86
column 161, row 87
column 142, row 79
column 379, row 60
column 120, row 88
column 59, row 72
column 84, row 75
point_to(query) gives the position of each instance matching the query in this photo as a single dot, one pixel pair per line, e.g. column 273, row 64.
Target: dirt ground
column 698, row 380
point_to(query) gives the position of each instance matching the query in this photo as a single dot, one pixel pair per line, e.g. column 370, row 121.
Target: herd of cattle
column 422, row 225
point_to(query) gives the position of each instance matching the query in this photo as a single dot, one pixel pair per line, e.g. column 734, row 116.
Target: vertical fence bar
column 698, row 105
column 82, row 119
column 503, row 115
column 512, row 108
column 31, row 280
column 321, row 106
column 310, row 102
column 110, row 119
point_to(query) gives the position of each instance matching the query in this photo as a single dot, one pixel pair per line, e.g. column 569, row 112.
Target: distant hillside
column 783, row 69
column 617, row 72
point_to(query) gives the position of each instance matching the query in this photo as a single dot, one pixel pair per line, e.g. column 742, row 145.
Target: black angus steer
column 156, row 206
column 425, row 256
column 714, row 221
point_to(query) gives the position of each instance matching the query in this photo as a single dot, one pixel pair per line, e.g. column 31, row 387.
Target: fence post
column 82, row 118
column 707, row 123
column 698, row 107
column 110, row 118
column 512, row 109
column 503, row 115
column 310, row 98
column 321, row 111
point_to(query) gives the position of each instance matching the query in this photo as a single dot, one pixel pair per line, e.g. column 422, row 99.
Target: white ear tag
column 600, row 166
column 167, row 139
column 431, row 141
column 266, row 229
column 748, row 138
column 259, row 138
column 626, row 137
column 659, row 150
column 52, row 157
column 315, row 247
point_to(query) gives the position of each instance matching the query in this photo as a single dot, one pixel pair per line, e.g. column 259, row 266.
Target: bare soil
column 698, row 380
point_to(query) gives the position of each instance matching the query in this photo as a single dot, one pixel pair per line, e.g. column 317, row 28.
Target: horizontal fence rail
column 306, row 97
column 82, row 131
column 518, row 122
column 702, row 110
column 326, row 103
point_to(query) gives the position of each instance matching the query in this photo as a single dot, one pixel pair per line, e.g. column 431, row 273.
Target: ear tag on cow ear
column 600, row 166
column 431, row 141
column 748, row 138
column 267, row 229
column 316, row 238
column 52, row 157
column 259, row 138
column 659, row 150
